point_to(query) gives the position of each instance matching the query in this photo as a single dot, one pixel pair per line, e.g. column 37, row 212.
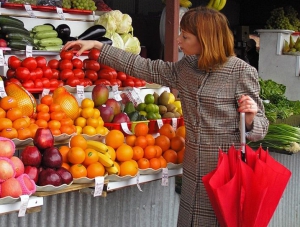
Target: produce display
column 216, row 4
column 292, row 46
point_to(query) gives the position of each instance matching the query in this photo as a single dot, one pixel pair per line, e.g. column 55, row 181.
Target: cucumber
column 17, row 36
column 40, row 28
column 50, row 42
column 46, row 34
column 10, row 29
column 52, row 48
column 21, row 45
column 7, row 20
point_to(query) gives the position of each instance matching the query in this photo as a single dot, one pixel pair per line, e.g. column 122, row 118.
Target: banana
column 210, row 3
column 108, row 154
column 97, row 146
column 112, row 170
column 104, row 160
column 185, row 3
column 216, row 4
column 222, row 4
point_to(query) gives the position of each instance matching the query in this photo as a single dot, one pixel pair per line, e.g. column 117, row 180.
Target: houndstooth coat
column 209, row 103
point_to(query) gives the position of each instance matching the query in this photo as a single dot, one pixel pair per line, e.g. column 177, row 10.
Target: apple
column 120, row 118
column 32, row 172
column 3, row 43
column 52, row 158
column 65, row 175
column 114, row 104
column 49, row 177
column 106, row 113
column 31, row 156
column 7, row 148
column 43, row 139
column 100, row 94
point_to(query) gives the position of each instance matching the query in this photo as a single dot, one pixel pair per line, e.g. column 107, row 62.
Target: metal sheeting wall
column 156, row 206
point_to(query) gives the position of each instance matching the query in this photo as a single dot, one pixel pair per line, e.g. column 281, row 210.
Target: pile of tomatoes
column 37, row 72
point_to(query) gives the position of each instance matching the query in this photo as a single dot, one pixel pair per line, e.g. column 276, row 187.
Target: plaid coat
column 209, row 103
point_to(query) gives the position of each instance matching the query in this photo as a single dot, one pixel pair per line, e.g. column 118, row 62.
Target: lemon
column 171, row 98
column 87, row 102
column 80, row 121
column 89, row 130
column 87, row 112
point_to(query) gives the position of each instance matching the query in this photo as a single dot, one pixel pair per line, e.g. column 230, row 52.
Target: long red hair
column 213, row 33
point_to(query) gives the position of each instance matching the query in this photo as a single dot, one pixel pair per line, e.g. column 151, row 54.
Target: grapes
column 83, row 4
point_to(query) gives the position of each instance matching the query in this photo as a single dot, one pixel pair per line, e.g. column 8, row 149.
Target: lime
column 143, row 113
column 151, row 116
column 149, row 99
column 156, row 108
column 141, row 106
column 150, row 108
column 158, row 116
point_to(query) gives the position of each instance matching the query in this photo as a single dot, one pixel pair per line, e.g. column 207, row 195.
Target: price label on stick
column 1, row 58
column 29, row 10
column 165, row 177
column 80, row 92
column 24, row 205
column 60, row 13
column 28, row 51
column 99, row 184
column 138, row 182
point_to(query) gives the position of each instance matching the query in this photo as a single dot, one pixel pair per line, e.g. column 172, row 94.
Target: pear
column 292, row 42
column 297, row 44
column 286, row 47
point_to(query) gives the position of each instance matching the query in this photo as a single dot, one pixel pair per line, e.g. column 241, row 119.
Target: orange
column 124, row 153
column 8, row 102
column 114, row 138
column 180, row 155
column 5, row 123
column 150, row 139
column 155, row 163
column 2, row 113
column 87, row 102
column 150, row 152
column 163, row 162
column 65, row 165
column 28, row 120
column 43, row 115
column 42, row 108
column 130, row 140
column 68, row 129
column 138, row 153
column 9, row 133
column 180, row 131
column 20, row 123
column 33, row 127
column 24, row 133
column 143, row 163
column 63, row 150
column 167, row 130
column 80, row 121
column 177, row 143
column 67, row 121
column 54, row 124
column 141, row 129
column 47, row 99
column 76, row 155
column 41, row 123
column 96, row 113
column 78, row 171
column 57, row 115
column 112, row 153
column 92, row 122
column 163, row 142
column 170, row 156
column 87, row 112
column 14, row 113
column 128, row 168
column 91, row 156
column 95, row 169
column 54, row 107
column 89, row 130
column 78, row 141
column 141, row 141
column 158, row 151
column 55, row 131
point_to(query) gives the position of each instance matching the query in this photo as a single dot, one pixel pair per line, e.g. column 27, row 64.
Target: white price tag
column 174, row 123
column 99, row 184
column 80, row 91
column 116, row 93
column 29, row 10
column 2, row 61
column 2, row 89
column 160, row 123
column 125, row 128
column 60, row 13
column 138, row 182
column 165, row 177
column 28, row 51
column 45, row 91
column 24, row 204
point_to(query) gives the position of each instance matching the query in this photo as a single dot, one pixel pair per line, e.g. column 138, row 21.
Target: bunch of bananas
column 216, row 4
column 182, row 3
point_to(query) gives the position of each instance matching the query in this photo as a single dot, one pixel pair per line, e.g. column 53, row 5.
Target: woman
column 214, row 86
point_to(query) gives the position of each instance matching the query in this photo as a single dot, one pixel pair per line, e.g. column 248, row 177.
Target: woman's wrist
column 98, row 45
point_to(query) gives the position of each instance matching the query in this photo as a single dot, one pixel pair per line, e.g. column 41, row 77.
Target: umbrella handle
column 243, row 133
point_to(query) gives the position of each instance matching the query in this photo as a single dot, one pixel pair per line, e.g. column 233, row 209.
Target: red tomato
column 47, row 72
column 128, row 83
column 115, row 82
column 53, row 83
column 38, row 73
column 137, row 83
column 28, row 84
column 46, row 82
column 55, row 73
column 60, row 83
column 102, row 81
column 10, row 73
column 66, row 54
column 79, row 73
column 13, row 62
column 53, row 63
column 87, row 82
column 107, row 74
column 29, row 63
column 91, row 64
column 121, row 76
column 13, row 80
column 77, row 63
column 94, row 54
column 143, row 82
column 32, row 75
column 91, row 74
column 106, row 67
column 65, row 74
column 73, row 81
column 22, row 73
column 65, row 64
column 38, row 83
column 41, row 61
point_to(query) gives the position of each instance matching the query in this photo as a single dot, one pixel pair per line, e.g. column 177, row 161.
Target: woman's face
column 188, row 43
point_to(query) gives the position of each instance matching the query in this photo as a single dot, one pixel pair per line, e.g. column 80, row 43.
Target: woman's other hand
column 248, row 106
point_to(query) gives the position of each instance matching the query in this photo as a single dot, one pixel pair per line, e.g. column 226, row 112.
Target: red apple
column 32, row 172
column 43, row 139
column 31, row 156
column 106, row 113
column 3, row 43
column 120, row 118
column 114, row 104
column 65, row 175
column 51, row 158
column 49, row 177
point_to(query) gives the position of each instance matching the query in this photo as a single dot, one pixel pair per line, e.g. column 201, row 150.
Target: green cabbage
column 107, row 21
column 131, row 43
column 116, row 39
column 125, row 25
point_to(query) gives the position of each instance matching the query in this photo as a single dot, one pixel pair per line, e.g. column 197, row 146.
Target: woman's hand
column 249, row 107
column 82, row 45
